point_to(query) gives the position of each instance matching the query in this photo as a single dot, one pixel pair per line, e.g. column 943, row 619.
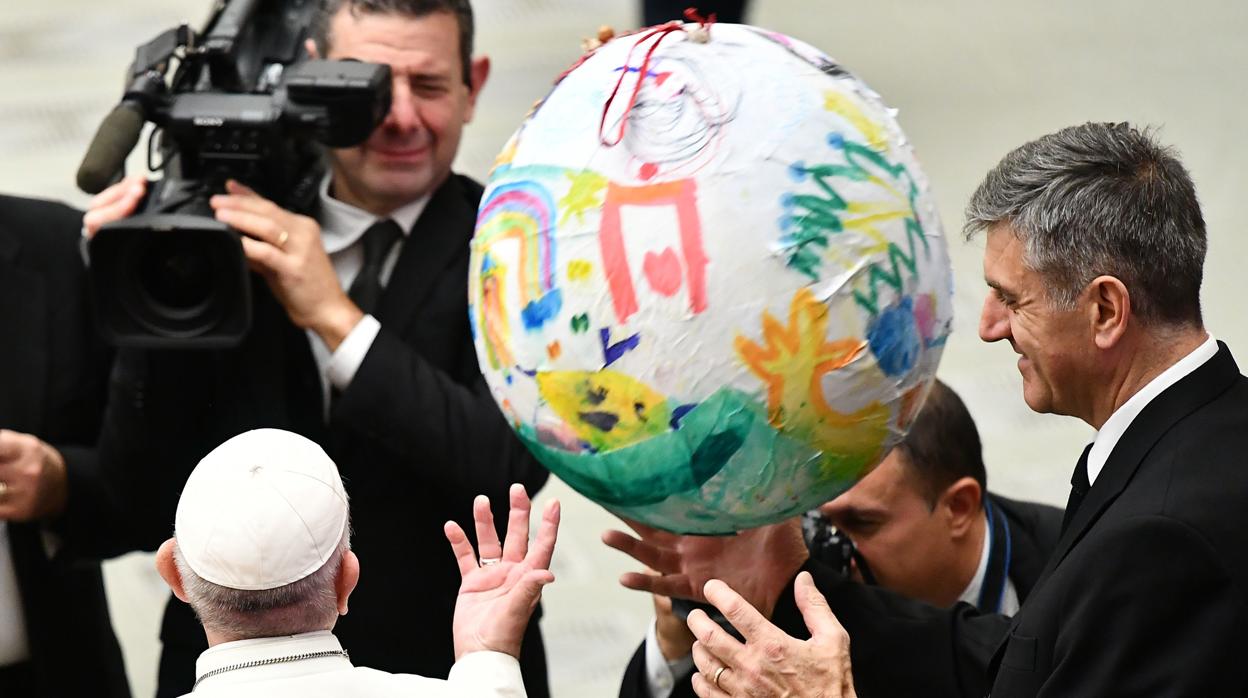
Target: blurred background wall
column 971, row 78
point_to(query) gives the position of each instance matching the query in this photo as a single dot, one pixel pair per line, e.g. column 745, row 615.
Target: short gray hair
column 1101, row 199
column 302, row 606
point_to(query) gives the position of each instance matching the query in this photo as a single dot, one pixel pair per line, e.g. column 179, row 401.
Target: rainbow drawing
column 525, row 212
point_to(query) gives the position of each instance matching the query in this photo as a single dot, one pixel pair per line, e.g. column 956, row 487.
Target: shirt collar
column 343, row 224
column 971, row 593
column 231, row 653
column 1114, row 427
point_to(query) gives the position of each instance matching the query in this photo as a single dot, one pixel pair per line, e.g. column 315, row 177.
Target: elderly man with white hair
column 262, row 553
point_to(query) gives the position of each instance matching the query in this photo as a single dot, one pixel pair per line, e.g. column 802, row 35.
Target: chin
column 1038, row 401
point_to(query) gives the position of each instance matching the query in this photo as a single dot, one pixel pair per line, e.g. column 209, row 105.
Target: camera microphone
column 113, row 141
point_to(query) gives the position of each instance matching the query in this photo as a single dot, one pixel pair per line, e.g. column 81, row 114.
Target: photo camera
column 244, row 103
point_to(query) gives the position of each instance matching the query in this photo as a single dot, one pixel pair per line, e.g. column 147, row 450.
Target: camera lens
column 176, row 277
column 178, row 283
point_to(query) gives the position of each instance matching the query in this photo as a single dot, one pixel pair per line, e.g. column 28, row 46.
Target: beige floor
column 972, row 79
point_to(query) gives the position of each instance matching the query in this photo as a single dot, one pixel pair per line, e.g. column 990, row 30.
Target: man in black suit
column 55, row 634
column 361, row 342
column 923, row 525
column 1094, row 257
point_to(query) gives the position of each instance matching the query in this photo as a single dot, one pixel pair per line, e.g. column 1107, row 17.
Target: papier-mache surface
column 718, row 298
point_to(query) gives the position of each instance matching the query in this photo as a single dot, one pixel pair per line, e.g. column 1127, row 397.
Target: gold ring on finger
column 281, row 239
column 718, row 673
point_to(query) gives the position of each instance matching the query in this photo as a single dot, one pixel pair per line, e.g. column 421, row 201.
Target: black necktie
column 377, row 241
column 1079, row 486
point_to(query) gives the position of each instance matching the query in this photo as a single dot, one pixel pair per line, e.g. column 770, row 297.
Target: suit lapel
column 436, row 240
column 1178, row 401
column 22, row 305
column 1174, row 404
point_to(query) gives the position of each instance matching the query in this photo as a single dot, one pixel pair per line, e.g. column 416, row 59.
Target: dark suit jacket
column 416, row 436
column 1033, row 534
column 53, row 373
column 1145, row 594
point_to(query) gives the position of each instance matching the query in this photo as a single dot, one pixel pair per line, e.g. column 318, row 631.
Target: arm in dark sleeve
column 899, row 646
column 115, row 502
column 400, row 399
column 1156, row 614
column 636, row 684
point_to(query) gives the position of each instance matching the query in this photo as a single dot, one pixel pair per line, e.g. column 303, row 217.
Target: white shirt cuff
column 660, row 673
column 346, row 359
column 486, row 674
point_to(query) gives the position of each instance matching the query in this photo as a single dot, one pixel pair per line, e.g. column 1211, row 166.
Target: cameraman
column 924, row 525
column 361, row 343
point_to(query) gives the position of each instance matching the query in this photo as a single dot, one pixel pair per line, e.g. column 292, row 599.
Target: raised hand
column 759, row 562
column 497, row 595
column 770, row 663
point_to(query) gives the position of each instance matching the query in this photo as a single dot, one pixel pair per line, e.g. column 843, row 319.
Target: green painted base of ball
column 722, row 470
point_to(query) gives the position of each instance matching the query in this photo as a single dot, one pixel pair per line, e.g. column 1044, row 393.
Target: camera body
column 245, row 103
column 830, row 546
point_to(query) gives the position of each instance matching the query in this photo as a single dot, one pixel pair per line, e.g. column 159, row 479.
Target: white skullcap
column 264, row 509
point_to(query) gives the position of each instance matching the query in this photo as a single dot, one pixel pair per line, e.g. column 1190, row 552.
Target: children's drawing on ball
column 717, row 298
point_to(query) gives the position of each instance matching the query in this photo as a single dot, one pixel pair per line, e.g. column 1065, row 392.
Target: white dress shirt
column 483, row 674
column 1114, row 427
column 342, row 231
column 1009, row 598
column 14, row 646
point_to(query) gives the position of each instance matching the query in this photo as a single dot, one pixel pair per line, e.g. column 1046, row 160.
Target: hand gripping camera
column 243, row 103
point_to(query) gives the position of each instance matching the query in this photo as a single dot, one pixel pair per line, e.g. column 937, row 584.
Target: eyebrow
column 862, row 512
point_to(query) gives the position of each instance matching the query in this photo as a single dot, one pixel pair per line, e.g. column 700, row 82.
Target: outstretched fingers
column 815, row 611
column 653, row 556
column 516, row 545
column 488, row 546
column 744, row 617
column 464, row 555
column 543, row 548
column 825, row 629
column 726, row 649
column 664, row 585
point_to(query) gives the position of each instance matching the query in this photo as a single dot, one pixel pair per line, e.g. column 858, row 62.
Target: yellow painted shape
column 507, row 155
column 583, row 196
column 606, row 409
column 842, row 105
column 579, row 269
column 792, row 361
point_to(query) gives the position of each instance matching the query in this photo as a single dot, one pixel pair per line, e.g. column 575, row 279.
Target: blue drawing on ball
column 539, row 312
column 894, row 338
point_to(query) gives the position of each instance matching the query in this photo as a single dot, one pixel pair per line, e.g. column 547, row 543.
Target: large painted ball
column 709, row 286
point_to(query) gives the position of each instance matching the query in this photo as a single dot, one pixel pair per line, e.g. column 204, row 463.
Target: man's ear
column 1109, row 310
column 961, row 503
column 348, row 577
column 310, row 45
column 168, row 569
column 479, row 71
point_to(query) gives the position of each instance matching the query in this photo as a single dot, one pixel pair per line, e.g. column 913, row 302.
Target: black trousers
column 660, row 11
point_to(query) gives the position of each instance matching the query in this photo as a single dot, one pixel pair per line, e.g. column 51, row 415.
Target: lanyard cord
column 992, row 593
